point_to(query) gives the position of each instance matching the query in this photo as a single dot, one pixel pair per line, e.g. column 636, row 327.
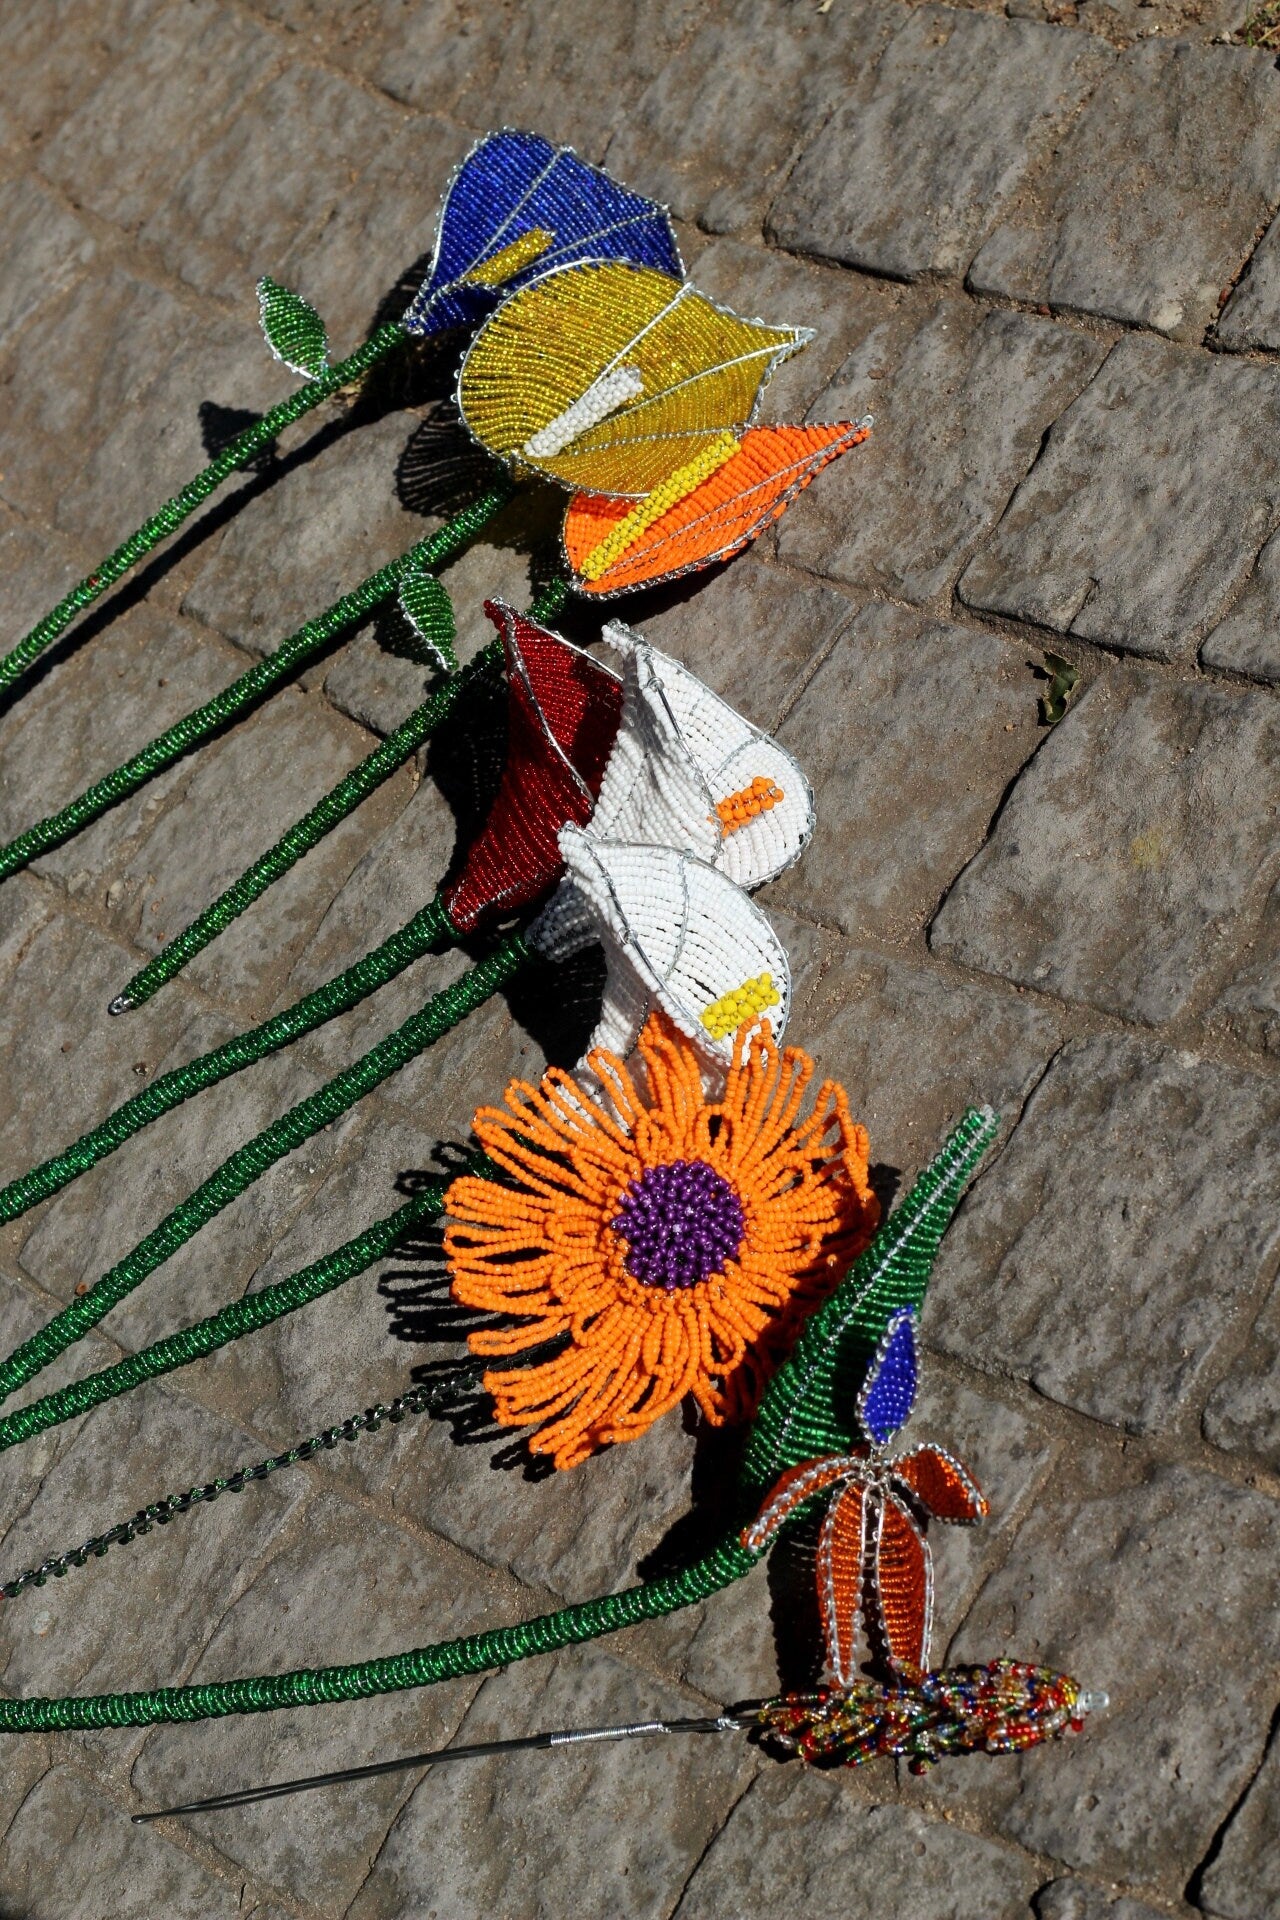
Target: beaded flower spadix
column 517, row 207
column 874, row 1563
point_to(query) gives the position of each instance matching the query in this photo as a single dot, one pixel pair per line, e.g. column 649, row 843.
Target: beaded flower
column 563, row 710
column 517, row 207
column 666, row 1243
column 696, row 804
column 635, row 391
column 872, row 1552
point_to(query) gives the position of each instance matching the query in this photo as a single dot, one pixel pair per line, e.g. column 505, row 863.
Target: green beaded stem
column 229, row 1323
column 440, row 1014
column 236, row 454
column 324, row 1003
column 249, row 689
column 894, row 1271
column 328, row 813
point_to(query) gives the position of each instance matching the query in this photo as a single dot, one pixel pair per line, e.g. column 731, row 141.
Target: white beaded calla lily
column 677, row 933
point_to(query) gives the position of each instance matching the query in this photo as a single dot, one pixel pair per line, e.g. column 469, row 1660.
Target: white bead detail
column 603, row 397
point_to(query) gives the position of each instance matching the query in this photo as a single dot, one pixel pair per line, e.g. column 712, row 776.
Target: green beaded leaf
column 810, row 1407
column 294, row 330
column 1063, row 679
column 429, row 611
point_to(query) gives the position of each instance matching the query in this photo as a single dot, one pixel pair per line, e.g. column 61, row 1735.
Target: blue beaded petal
column 510, row 183
column 889, row 1391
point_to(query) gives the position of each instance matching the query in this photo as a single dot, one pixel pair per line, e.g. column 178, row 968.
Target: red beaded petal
column 563, row 711
column 796, row 1486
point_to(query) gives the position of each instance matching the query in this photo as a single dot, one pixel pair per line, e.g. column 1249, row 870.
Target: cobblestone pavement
column 1036, row 245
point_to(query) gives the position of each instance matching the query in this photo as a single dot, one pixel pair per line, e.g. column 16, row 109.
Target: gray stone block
column 1072, row 1899
column 46, row 248
column 53, row 53
column 86, row 716
column 185, row 72
column 1244, row 1871
column 66, row 1063
column 1120, row 1236
column 907, row 177
column 1128, row 850
column 278, row 172
column 1243, row 1411
column 715, row 131
column 910, row 731
column 36, row 569
column 348, row 1588
column 1251, row 317
column 1248, row 1007
column 1147, row 506
column 1156, row 198
column 103, row 417
column 810, row 1834
column 82, row 1231
column 317, row 531
column 750, row 630
column 237, row 800
column 74, row 1855
column 140, row 1617
column 1151, row 1593
column 914, row 1049
column 23, row 1469
column 614, row 1829
column 1248, row 640
column 961, row 401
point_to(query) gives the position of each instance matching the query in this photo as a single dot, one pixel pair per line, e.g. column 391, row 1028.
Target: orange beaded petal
column 943, row 1487
column 727, row 511
column 541, row 1249
column 902, row 1590
column 841, row 1556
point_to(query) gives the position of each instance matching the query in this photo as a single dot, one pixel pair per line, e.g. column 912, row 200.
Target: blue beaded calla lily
column 517, row 208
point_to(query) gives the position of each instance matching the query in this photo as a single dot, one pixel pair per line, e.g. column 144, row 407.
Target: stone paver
column 1249, row 1005
column 1037, row 240
column 1248, row 640
column 1150, row 1592
column 1242, row 1876
column 1158, row 436
column 379, row 1588
column 910, row 730
column 909, row 175
column 1127, row 858
column 1251, row 318
column 1118, row 1238
column 469, row 1836
column 961, row 402
column 716, row 130
column 807, row 1833
column 1153, row 205
column 73, row 1855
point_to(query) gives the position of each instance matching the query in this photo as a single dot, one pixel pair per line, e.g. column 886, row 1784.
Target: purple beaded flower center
column 681, row 1223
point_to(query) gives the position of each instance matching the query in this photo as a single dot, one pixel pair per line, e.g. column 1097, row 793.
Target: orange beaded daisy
column 665, row 1243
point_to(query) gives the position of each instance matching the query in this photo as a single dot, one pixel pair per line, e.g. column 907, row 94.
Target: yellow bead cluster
column 666, row 495
column 511, row 260
column 739, row 1005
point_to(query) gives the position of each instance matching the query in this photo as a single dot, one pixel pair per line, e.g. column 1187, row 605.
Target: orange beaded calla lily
column 667, row 1244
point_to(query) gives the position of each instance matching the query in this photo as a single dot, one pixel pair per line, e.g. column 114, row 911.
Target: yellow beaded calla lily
column 617, row 379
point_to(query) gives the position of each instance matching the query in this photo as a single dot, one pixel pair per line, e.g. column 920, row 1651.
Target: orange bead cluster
column 543, row 1245
column 736, row 809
